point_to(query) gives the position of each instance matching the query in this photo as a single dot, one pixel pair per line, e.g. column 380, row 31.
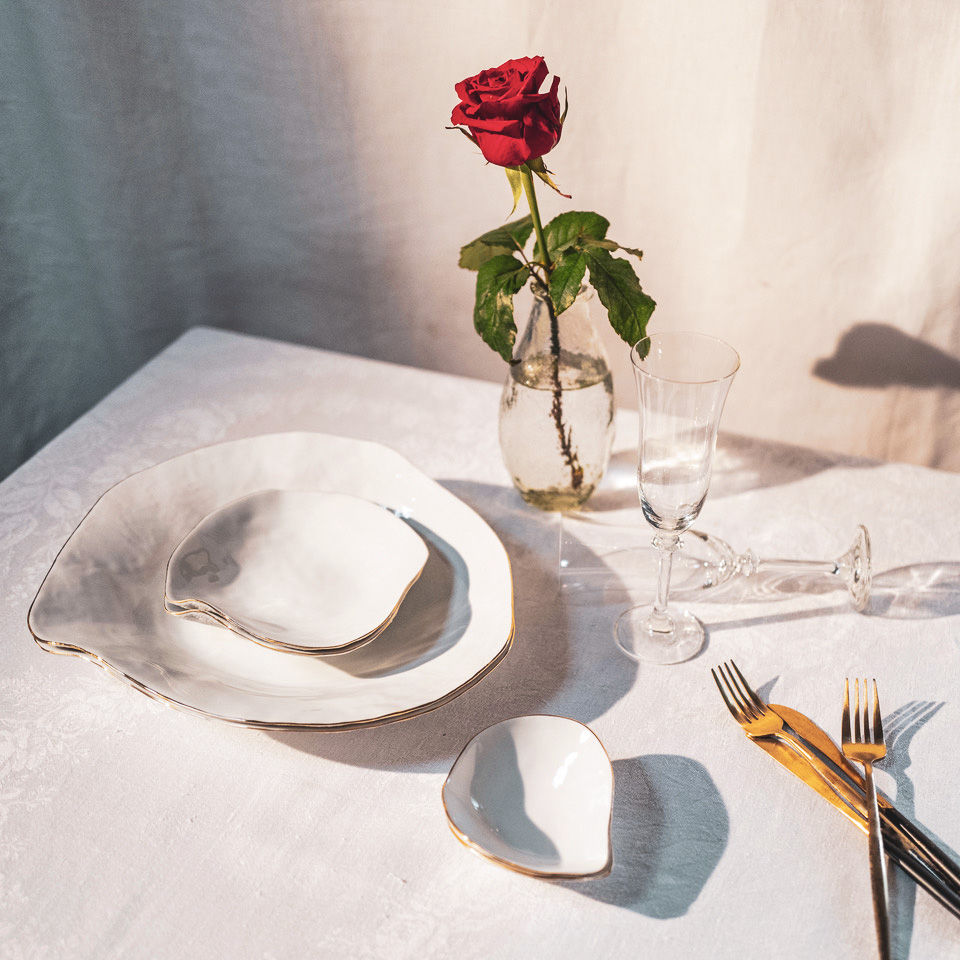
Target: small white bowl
column 300, row 571
column 534, row 794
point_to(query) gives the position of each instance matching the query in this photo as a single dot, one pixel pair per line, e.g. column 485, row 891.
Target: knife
column 838, row 783
column 810, row 735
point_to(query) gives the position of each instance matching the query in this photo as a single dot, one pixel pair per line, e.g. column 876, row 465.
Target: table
column 130, row 829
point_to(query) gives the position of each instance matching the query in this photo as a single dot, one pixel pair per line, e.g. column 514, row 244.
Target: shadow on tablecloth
column 543, row 673
column 920, row 591
column 670, row 828
column 900, row 727
column 741, row 464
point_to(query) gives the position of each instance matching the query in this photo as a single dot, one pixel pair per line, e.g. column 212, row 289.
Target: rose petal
column 504, row 151
column 511, row 121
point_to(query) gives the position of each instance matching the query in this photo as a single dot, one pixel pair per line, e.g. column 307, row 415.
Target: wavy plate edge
column 64, row 649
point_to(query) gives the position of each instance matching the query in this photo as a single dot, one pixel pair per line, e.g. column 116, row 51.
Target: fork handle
column 911, row 838
column 923, row 846
column 910, row 848
column 878, row 867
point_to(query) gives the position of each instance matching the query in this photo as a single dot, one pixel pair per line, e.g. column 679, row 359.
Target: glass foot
column 854, row 568
column 637, row 635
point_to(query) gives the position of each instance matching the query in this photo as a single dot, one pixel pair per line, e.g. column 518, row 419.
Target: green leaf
column 504, row 240
column 497, row 281
column 613, row 245
column 566, row 279
column 570, row 228
column 631, row 250
column 515, row 179
column 628, row 307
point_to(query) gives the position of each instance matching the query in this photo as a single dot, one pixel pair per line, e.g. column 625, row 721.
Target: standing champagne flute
column 682, row 383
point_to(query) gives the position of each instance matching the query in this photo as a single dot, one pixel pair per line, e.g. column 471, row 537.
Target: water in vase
column 557, row 450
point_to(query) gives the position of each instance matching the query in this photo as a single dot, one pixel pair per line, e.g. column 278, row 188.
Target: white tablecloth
column 129, row 829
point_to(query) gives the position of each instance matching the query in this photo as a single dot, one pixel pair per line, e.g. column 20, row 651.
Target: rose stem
column 556, row 409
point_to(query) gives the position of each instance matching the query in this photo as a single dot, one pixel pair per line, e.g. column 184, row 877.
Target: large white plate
column 103, row 596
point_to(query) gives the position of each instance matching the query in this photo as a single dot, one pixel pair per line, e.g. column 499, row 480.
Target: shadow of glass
column 881, row 355
column 741, row 464
column 532, row 678
column 747, row 463
column 670, row 828
column 743, row 622
column 920, row 591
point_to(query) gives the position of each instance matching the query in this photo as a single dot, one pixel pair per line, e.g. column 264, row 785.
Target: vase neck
column 573, row 331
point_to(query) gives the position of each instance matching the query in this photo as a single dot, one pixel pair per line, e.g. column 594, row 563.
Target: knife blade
column 912, row 837
column 841, row 786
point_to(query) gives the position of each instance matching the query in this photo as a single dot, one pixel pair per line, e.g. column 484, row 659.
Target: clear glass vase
column 556, row 410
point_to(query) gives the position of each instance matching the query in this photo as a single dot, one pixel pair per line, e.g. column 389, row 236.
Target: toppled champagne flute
column 596, row 554
column 852, row 569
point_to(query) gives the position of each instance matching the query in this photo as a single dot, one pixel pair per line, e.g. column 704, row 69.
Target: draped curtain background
column 281, row 167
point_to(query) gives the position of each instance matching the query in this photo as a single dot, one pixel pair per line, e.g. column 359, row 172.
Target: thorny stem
column 564, row 435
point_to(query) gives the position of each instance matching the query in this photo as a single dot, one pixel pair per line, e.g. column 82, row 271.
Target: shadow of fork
column 902, row 725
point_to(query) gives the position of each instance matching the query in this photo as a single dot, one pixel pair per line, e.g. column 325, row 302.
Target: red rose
column 511, row 121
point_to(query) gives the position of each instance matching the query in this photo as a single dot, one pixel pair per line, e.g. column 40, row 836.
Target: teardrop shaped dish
column 534, row 794
column 301, row 571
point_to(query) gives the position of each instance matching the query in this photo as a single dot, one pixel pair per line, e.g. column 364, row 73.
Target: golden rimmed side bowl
column 534, row 794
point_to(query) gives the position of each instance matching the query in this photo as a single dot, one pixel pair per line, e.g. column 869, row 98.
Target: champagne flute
column 682, row 384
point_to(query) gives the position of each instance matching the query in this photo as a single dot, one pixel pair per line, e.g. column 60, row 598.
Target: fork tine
column 877, row 723
column 866, row 711
column 757, row 702
column 733, row 694
column 845, row 718
column 856, row 711
column 726, row 699
column 738, row 695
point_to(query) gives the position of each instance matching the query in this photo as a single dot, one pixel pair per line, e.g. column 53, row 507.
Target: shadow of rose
column 881, row 355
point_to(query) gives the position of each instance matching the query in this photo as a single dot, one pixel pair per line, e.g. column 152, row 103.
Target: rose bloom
column 502, row 108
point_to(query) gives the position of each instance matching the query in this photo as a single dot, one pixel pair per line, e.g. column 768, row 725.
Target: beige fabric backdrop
column 790, row 170
column 281, row 167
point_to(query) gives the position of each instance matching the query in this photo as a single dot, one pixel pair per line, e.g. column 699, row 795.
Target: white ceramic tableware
column 534, row 794
column 103, row 597
column 302, row 571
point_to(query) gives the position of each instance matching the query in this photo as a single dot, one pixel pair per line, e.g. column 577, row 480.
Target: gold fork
column 865, row 747
column 922, row 859
column 756, row 717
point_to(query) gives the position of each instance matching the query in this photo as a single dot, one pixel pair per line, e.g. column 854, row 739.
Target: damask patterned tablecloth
column 129, row 829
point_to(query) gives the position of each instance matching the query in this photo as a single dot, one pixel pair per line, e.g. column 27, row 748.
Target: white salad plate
column 103, row 597
column 535, row 794
column 302, row 571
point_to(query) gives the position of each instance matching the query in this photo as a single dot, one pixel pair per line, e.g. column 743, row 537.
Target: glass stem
column 798, row 566
column 667, row 545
